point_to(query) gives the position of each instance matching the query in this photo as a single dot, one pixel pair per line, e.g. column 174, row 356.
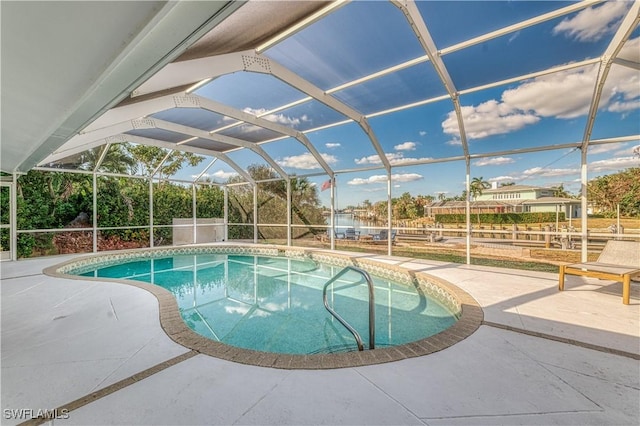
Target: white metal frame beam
column 170, row 145
column 188, row 72
column 520, row 25
column 411, row 12
column 266, row 124
column 254, row 62
column 123, row 138
column 414, row 17
column 626, row 63
column 116, row 133
column 214, row 137
column 149, row 107
column 628, row 25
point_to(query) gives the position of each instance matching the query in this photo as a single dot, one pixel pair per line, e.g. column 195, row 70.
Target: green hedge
column 501, row 218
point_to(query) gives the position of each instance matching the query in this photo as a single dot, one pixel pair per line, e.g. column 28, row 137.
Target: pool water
column 274, row 304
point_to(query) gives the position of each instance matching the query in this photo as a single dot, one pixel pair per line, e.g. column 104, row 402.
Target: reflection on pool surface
column 274, row 304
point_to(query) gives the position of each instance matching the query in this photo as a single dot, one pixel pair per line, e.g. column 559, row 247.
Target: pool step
column 342, row 348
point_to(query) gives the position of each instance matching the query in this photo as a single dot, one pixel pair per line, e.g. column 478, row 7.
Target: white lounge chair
column 619, row 261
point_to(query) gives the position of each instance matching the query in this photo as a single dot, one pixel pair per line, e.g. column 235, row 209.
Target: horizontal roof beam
column 266, row 124
column 520, row 26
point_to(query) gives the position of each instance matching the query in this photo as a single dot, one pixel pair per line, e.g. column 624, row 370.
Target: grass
column 455, row 257
column 482, row 261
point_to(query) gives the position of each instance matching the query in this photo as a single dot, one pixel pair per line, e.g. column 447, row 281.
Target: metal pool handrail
column 372, row 307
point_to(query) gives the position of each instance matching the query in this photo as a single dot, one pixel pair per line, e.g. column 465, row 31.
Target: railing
column 372, row 308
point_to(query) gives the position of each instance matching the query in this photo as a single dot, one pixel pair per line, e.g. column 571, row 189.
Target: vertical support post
column 468, row 208
column 13, row 216
column 618, row 221
column 151, row 212
column 389, row 214
column 547, row 236
column 95, row 212
column 333, row 212
column 570, row 214
column 225, row 220
column 583, row 199
column 289, row 230
column 96, row 167
column 255, row 213
column 193, row 213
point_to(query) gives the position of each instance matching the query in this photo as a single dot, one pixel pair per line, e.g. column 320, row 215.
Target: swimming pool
column 269, row 301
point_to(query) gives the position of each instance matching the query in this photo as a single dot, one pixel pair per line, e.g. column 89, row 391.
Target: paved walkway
column 63, row 339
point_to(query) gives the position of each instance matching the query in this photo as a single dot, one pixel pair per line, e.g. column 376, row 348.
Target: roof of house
column 479, row 203
column 511, row 188
column 552, row 200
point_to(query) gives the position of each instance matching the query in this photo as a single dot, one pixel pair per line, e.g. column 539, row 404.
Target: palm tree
column 116, row 160
column 477, row 185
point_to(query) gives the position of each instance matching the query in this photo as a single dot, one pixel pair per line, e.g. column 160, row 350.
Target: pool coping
column 470, row 318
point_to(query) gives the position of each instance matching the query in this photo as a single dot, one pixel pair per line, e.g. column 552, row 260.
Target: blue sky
column 545, row 110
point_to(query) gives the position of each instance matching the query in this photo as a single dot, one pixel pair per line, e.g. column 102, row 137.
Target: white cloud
column 277, row 118
column 621, row 92
column 593, row 23
column 548, row 173
column 561, row 95
column 404, row 177
column 626, row 150
column 393, row 157
column 331, row 145
column 422, row 133
column 454, row 142
column 601, row 149
column 406, row 146
column 487, row 119
column 624, row 106
column 368, row 181
column 496, row 161
column 568, row 94
column 305, row 161
column 502, row 178
column 375, row 159
column 614, row 164
column 405, row 160
column 221, row 174
column 565, row 94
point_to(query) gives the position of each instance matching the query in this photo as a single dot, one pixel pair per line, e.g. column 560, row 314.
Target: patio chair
column 618, row 261
column 384, row 235
column 351, row 234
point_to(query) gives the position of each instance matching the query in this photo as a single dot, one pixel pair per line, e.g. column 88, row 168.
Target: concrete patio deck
column 541, row 357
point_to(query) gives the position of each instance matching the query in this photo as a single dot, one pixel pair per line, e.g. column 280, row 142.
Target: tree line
column 604, row 193
column 55, row 200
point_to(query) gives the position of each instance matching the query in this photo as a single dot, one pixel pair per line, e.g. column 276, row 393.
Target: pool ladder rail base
column 372, row 308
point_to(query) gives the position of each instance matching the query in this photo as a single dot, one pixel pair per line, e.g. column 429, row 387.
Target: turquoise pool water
column 274, row 304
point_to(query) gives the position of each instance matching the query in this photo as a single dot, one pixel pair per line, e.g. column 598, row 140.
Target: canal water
column 344, row 221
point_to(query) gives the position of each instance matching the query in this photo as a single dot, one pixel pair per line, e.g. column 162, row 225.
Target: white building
column 532, row 199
